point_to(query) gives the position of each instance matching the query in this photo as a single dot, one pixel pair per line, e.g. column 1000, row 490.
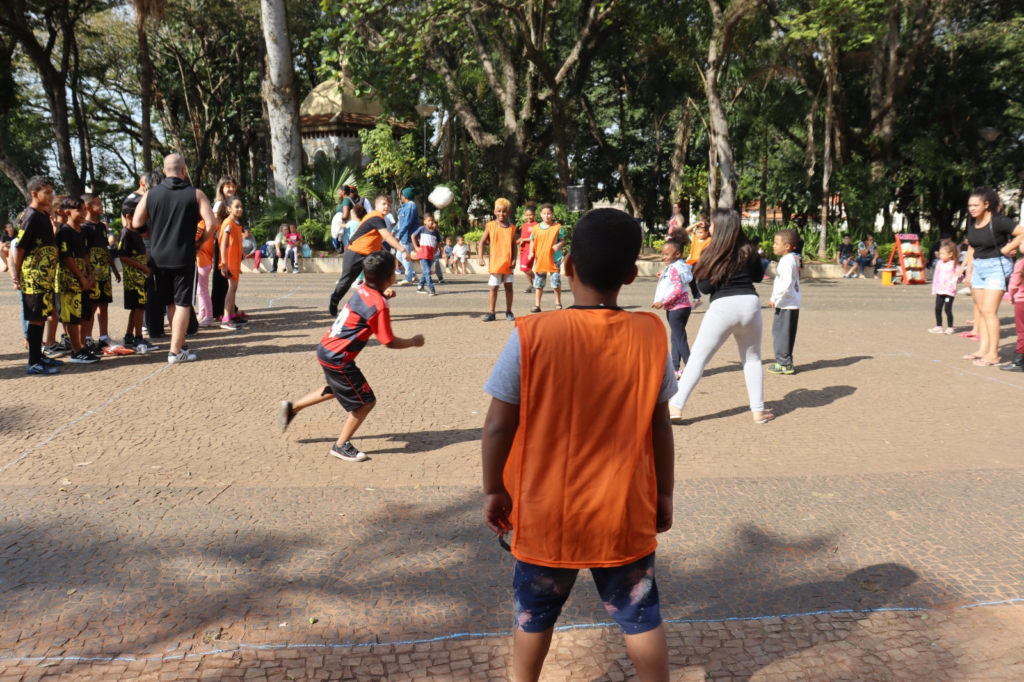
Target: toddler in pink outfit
column 944, row 281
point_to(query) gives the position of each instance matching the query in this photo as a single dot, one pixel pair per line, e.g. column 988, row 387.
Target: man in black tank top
column 172, row 210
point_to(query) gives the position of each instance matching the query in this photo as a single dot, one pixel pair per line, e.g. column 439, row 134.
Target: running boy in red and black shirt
column 366, row 314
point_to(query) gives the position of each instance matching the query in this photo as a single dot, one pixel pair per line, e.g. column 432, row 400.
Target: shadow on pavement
column 800, row 398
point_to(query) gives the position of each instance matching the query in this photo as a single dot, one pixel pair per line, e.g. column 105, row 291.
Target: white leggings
column 738, row 316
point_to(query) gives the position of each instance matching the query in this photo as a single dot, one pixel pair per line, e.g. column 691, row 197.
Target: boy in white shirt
column 786, row 301
column 461, row 255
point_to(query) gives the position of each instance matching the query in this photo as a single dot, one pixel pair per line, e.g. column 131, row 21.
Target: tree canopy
column 830, row 110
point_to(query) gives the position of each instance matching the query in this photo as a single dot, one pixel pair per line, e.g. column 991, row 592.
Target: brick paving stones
column 152, row 515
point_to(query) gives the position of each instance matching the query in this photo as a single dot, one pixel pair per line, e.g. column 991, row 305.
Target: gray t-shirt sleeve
column 669, row 385
column 504, row 385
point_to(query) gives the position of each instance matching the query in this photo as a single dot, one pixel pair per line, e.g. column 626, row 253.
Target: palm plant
column 323, row 185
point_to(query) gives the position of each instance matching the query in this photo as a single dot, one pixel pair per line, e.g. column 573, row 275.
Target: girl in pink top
column 944, row 280
column 1016, row 292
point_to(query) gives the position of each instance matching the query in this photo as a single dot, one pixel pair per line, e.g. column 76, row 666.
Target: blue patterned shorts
column 629, row 593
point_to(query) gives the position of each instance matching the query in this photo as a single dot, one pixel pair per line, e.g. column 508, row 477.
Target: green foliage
column 395, row 165
column 323, row 184
column 474, row 236
column 314, row 233
column 884, row 251
column 273, row 212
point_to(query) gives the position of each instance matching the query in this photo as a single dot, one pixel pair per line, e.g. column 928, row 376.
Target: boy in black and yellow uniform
column 74, row 276
column 101, row 294
column 34, row 272
column 132, row 253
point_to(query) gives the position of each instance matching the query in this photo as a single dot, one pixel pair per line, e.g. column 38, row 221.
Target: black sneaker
column 50, row 362
column 83, row 357
column 421, row 290
column 129, row 341
column 529, row 290
column 143, row 346
column 489, row 317
column 40, row 369
column 433, row 292
column 65, row 344
column 90, row 345
column 285, row 416
column 348, row 452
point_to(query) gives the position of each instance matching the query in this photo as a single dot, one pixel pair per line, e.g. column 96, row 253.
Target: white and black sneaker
column 348, row 452
column 55, row 351
column 421, row 290
column 184, row 355
column 83, row 357
column 285, row 414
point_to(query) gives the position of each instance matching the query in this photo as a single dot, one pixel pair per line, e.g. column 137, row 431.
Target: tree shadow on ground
column 800, row 398
column 374, row 565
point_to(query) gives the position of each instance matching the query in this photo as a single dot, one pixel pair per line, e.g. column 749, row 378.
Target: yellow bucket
column 887, row 276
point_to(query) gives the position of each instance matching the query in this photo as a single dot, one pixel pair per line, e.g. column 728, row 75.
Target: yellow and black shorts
column 102, row 292
column 37, row 307
column 75, row 307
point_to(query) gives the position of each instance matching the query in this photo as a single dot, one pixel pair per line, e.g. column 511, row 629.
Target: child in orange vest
column 588, row 489
column 230, row 244
column 502, row 236
column 546, row 241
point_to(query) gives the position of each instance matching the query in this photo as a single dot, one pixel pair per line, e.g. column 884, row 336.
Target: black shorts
column 349, row 386
column 134, row 300
column 75, row 307
column 176, row 286
column 102, row 293
column 37, row 307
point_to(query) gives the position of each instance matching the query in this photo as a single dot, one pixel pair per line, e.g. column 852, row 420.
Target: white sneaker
column 209, row 322
column 184, row 355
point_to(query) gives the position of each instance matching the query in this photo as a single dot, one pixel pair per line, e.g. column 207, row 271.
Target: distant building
column 330, row 119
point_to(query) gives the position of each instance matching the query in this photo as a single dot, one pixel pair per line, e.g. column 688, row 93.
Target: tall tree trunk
column 282, row 99
column 146, row 93
column 762, row 218
column 561, row 151
column 680, row 149
column 828, row 59
column 725, row 23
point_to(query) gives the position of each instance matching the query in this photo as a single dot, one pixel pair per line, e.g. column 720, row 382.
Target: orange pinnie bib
column 232, row 231
column 696, row 246
column 544, row 248
column 581, row 471
column 204, row 253
column 502, row 241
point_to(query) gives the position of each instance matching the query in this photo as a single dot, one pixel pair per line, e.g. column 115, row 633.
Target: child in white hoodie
column 786, row 300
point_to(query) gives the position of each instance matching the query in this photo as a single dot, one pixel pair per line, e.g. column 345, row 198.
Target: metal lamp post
column 990, row 135
column 425, row 111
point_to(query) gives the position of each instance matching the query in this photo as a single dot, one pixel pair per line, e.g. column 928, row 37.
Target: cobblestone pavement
column 156, row 526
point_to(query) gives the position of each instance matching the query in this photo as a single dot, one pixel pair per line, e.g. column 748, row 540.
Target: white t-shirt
column 786, row 289
column 337, row 225
column 460, row 250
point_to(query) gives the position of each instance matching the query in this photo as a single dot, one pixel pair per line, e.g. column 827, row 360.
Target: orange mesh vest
column 367, row 237
column 696, row 246
column 234, row 248
column 204, row 254
column 502, row 240
column 544, row 248
column 581, row 471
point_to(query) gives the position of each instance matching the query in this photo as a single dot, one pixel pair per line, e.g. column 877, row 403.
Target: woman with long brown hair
column 991, row 238
column 727, row 271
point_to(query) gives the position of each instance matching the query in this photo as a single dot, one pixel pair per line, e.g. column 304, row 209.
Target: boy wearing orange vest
column 589, row 489
column 546, row 242
column 502, row 236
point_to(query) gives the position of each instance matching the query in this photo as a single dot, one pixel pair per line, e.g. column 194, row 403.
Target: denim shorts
column 991, row 273
column 629, row 593
column 539, row 279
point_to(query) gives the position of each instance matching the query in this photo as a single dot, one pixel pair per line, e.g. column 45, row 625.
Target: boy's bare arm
column 499, row 432
column 480, row 246
column 399, row 344
column 664, row 463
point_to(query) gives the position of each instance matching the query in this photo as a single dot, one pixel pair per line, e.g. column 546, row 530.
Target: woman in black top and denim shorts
column 727, row 271
column 991, row 237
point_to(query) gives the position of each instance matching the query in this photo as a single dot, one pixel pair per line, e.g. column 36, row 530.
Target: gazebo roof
column 330, row 99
